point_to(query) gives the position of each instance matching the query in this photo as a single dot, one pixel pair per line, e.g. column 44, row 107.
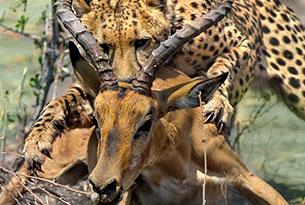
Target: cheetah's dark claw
column 209, row 117
column 47, row 153
column 36, row 167
column 218, row 110
column 220, row 125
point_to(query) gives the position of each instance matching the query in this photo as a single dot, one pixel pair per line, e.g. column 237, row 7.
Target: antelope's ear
column 81, row 7
column 185, row 95
column 84, row 71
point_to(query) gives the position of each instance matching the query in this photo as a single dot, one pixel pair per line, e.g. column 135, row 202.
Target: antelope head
column 129, row 116
column 130, row 128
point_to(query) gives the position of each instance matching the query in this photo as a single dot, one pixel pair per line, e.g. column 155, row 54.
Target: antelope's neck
column 164, row 184
column 172, row 175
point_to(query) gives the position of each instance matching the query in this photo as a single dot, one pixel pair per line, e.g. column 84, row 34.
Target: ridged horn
column 85, row 38
column 144, row 79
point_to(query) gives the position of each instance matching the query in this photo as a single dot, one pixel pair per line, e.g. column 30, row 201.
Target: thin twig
column 256, row 114
column 4, row 126
column 12, row 153
column 33, row 37
column 24, row 186
column 46, row 180
column 8, row 191
column 224, row 193
column 47, row 192
column 204, row 141
column 21, row 107
column 19, row 193
column 58, row 68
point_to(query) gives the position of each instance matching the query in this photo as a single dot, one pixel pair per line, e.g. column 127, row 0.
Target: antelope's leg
column 256, row 189
column 222, row 160
column 60, row 115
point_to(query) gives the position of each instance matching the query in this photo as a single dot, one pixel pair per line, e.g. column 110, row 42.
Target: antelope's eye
column 144, row 129
column 141, row 43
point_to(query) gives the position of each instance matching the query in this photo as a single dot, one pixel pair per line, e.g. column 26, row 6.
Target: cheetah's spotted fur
column 258, row 39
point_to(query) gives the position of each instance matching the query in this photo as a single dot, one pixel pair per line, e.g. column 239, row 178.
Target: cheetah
column 260, row 39
column 257, row 40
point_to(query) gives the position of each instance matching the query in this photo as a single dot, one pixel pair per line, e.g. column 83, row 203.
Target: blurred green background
column 272, row 146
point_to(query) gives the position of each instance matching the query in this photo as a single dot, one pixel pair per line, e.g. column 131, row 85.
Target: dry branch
column 204, row 141
column 33, row 37
column 18, row 175
column 47, row 192
column 10, row 193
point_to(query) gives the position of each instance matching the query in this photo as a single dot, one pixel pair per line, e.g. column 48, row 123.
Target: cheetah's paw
column 38, row 146
column 218, row 109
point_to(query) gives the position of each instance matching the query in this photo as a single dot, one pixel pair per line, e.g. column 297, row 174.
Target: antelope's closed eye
column 144, row 129
column 141, row 43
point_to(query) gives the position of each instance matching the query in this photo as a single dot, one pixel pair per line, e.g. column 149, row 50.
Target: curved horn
column 85, row 38
column 143, row 81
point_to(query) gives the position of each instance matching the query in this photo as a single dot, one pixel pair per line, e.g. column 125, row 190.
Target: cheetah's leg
column 219, row 107
column 67, row 166
column 283, row 59
column 64, row 113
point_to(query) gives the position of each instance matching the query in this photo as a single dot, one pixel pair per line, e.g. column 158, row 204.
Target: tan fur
column 67, row 151
column 170, row 156
column 258, row 39
column 172, row 152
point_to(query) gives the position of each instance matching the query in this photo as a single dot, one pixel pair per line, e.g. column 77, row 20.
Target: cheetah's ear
column 81, row 7
column 84, row 71
column 161, row 4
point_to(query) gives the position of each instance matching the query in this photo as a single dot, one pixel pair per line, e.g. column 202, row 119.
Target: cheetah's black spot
column 194, row 5
column 274, row 66
column 274, row 51
column 285, row 17
column 274, row 41
column 271, row 20
column 281, row 61
column 286, row 39
column 288, row 54
column 292, row 70
column 261, row 67
column 259, row 3
column 294, row 82
column 298, row 62
column 280, row 27
column 300, row 52
column 293, row 98
column 277, row 79
column 266, row 29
